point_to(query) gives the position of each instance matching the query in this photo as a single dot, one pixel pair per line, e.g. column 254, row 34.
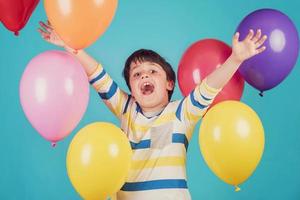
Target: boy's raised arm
column 107, row 89
column 194, row 106
column 241, row 51
column 89, row 64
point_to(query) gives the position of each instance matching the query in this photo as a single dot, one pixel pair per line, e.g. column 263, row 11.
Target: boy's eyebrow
column 133, row 68
column 155, row 64
column 136, row 66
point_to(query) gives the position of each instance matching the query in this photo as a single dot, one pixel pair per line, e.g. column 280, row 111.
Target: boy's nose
column 145, row 75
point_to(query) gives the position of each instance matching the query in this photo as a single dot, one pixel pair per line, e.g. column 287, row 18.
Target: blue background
column 31, row 169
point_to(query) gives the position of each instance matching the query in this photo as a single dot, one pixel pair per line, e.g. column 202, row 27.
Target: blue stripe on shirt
column 156, row 184
column 143, row 144
column 180, row 138
column 205, row 98
column 195, row 102
column 178, row 111
column 112, row 90
column 98, row 77
column 138, row 108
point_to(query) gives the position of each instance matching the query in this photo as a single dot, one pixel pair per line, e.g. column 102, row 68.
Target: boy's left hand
column 250, row 46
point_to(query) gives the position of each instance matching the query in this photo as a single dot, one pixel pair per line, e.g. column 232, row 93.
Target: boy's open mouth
column 147, row 88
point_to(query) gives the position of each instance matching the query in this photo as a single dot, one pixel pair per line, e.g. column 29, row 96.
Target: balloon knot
column 237, row 189
column 261, row 94
column 53, row 144
column 17, row 33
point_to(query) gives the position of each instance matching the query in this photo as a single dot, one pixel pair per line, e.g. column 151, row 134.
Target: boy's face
column 149, row 85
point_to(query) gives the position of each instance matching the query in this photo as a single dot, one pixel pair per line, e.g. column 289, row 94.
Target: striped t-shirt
column 159, row 140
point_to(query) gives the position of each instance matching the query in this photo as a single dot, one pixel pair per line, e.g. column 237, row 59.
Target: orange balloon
column 79, row 23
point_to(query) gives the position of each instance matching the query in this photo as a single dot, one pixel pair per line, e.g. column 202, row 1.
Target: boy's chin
column 147, row 103
column 142, row 97
column 150, row 105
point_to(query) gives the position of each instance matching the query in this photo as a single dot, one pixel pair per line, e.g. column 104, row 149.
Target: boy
column 158, row 130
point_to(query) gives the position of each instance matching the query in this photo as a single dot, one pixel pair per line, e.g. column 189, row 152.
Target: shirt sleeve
column 191, row 108
column 109, row 91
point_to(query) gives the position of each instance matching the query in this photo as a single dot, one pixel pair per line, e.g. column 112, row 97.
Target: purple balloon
column 268, row 69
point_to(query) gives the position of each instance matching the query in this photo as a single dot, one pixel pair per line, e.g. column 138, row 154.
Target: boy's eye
column 152, row 71
column 136, row 74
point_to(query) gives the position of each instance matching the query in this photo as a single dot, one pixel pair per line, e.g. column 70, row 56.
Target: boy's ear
column 170, row 85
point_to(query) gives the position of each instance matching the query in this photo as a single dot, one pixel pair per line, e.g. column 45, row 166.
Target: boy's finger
column 261, row 49
column 44, row 34
column 235, row 38
column 261, row 41
column 49, row 24
column 41, row 31
column 250, row 35
column 257, row 36
column 48, row 28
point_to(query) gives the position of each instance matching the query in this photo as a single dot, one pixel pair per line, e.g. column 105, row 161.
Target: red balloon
column 14, row 14
column 202, row 58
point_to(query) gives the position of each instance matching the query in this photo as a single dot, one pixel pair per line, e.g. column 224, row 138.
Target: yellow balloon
column 232, row 141
column 98, row 160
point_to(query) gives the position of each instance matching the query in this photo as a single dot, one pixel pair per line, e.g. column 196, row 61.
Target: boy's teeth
column 147, row 88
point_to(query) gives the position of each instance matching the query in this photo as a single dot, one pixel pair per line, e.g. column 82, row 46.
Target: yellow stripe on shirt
column 103, row 83
column 164, row 119
column 120, row 102
column 210, row 90
column 158, row 162
column 140, row 128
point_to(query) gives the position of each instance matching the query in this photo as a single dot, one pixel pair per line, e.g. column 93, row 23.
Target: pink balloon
column 54, row 93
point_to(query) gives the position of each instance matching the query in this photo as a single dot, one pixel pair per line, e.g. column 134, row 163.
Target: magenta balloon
column 54, row 94
column 268, row 69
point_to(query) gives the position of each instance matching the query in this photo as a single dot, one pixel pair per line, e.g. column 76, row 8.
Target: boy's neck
column 155, row 109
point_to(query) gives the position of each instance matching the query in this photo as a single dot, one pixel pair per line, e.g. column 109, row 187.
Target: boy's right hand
column 48, row 34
